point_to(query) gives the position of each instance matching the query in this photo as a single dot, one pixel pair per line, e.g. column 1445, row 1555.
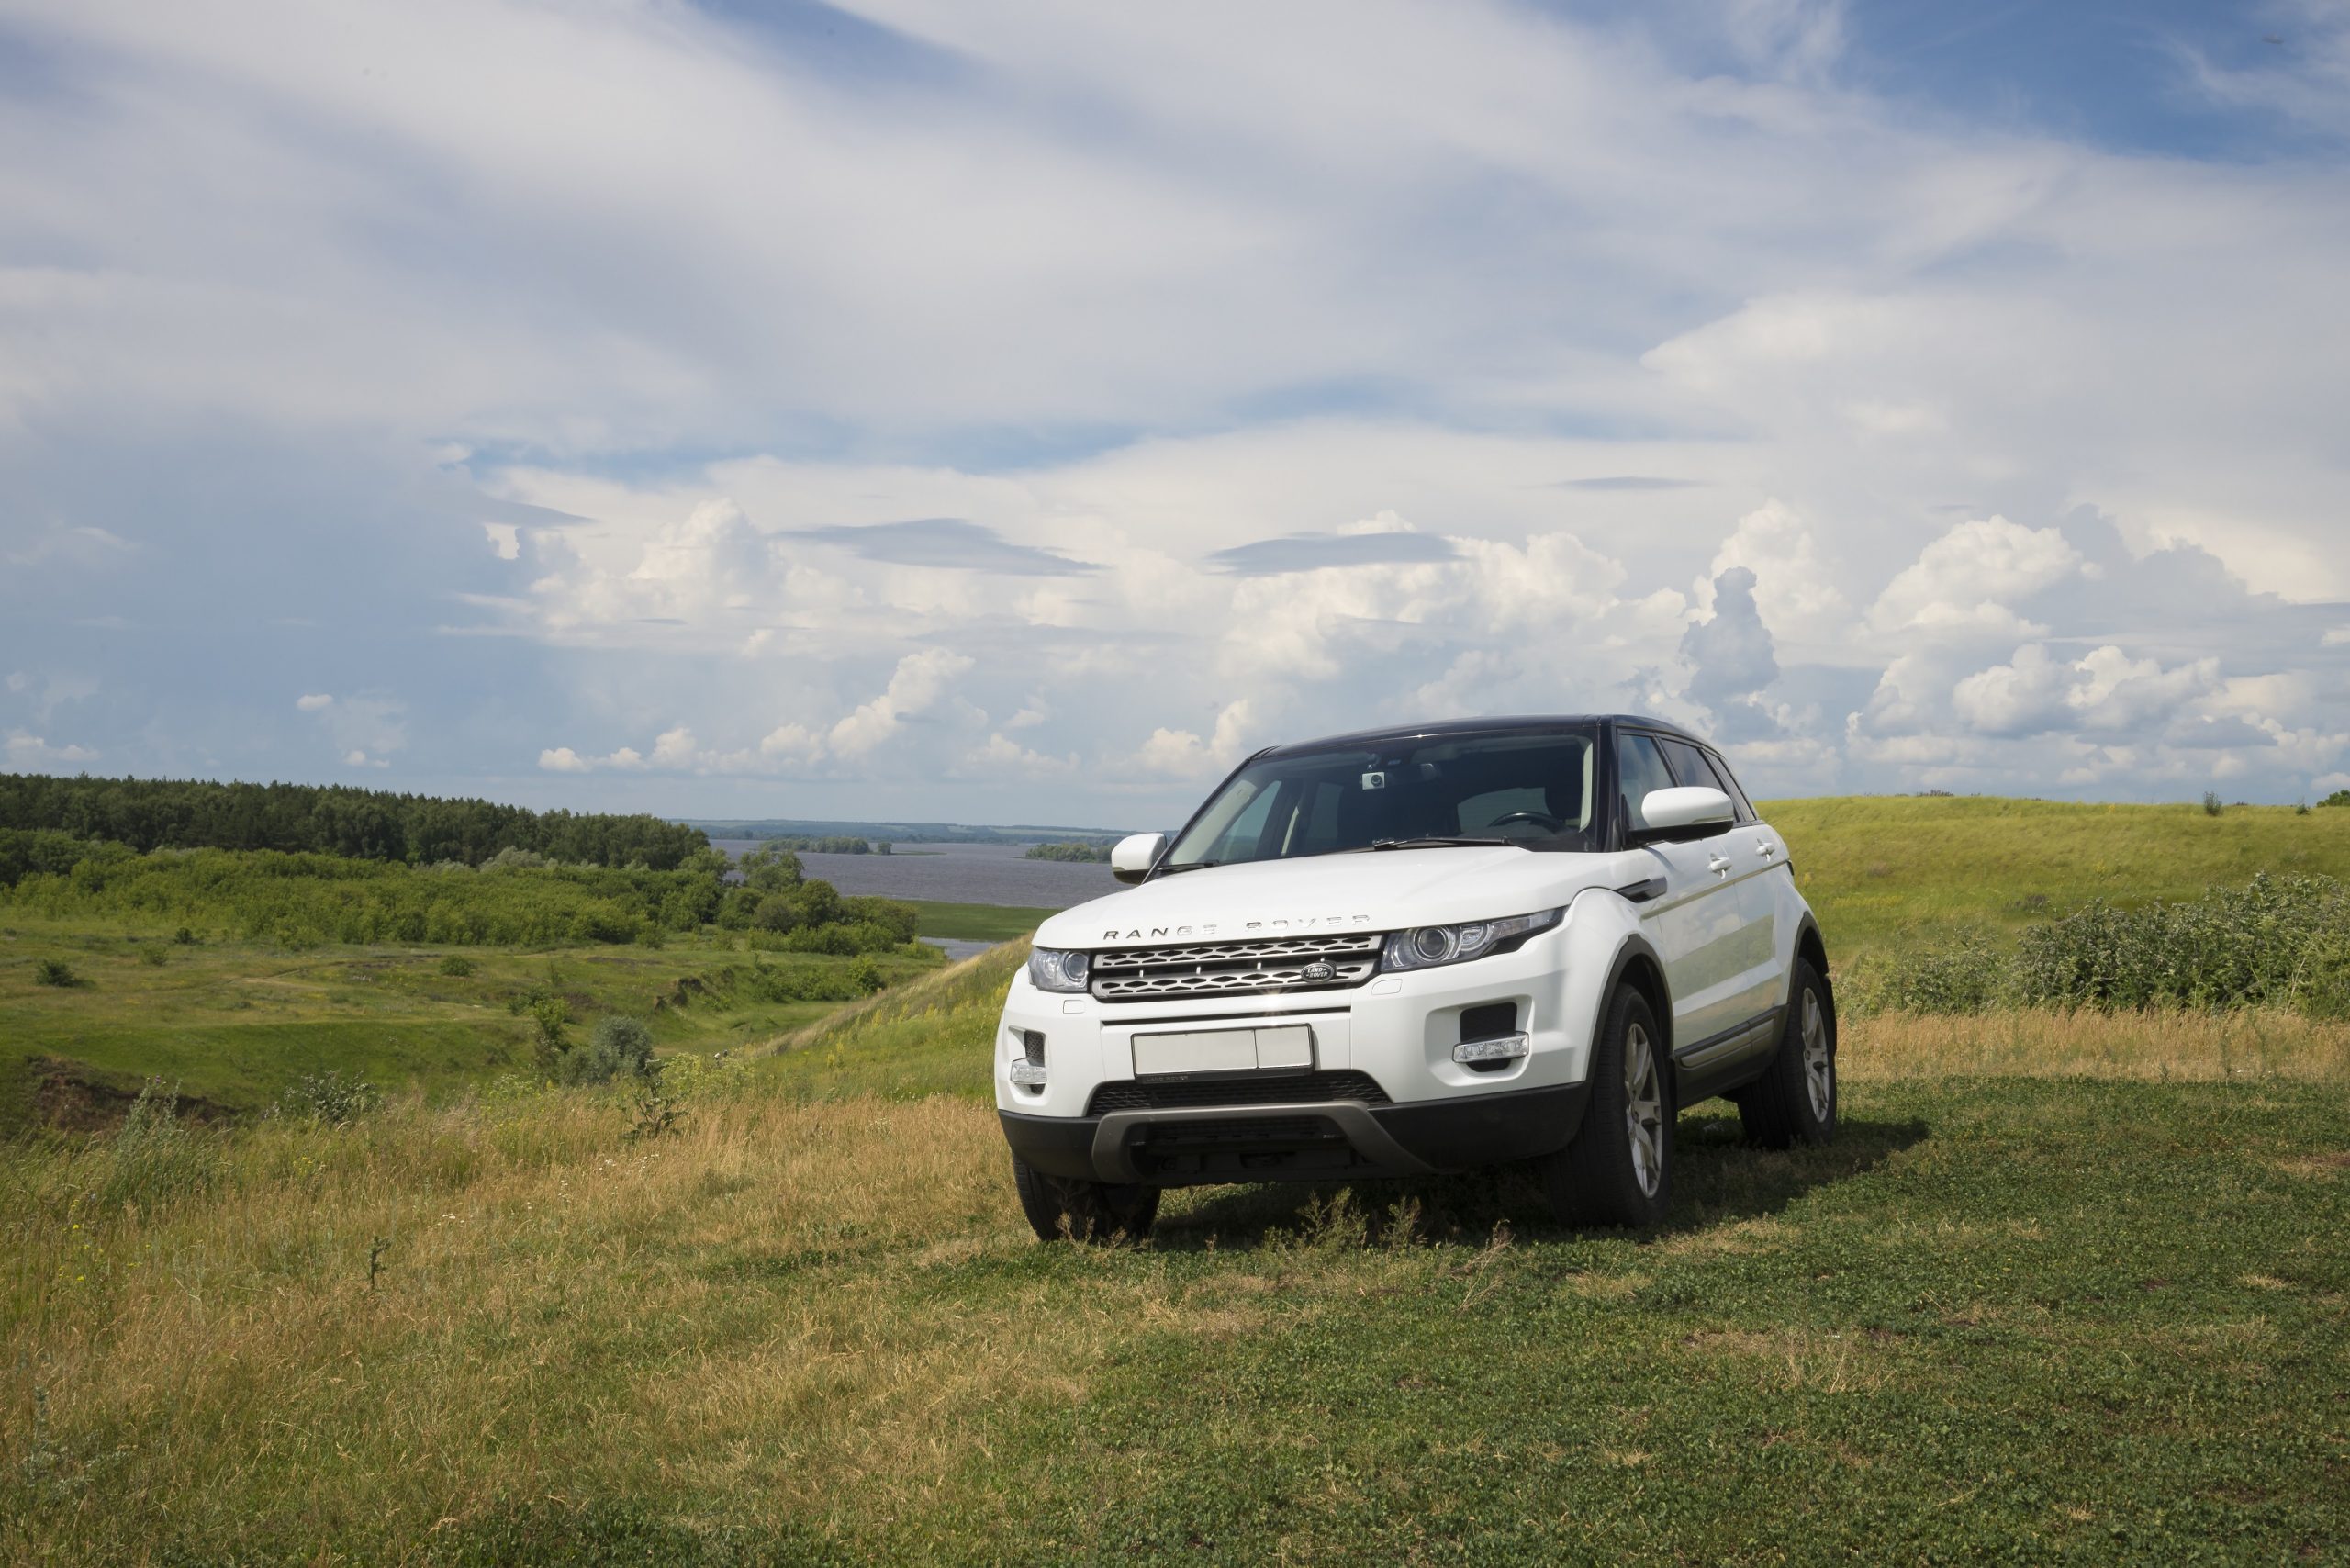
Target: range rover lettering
column 1534, row 939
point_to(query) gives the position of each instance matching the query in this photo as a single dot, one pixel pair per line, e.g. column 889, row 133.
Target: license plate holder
column 1272, row 1049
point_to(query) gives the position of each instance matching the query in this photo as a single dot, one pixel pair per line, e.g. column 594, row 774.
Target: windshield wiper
column 1437, row 841
column 1188, row 866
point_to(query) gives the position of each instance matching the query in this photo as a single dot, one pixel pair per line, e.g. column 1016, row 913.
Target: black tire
column 1097, row 1212
column 1795, row 1100
column 1608, row 1176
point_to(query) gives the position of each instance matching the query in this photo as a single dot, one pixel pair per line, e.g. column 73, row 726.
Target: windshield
column 1532, row 790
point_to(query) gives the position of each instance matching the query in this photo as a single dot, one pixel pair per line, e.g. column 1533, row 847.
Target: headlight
column 1433, row 945
column 1051, row 969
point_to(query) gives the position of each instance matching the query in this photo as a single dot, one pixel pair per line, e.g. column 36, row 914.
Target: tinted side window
column 1640, row 768
column 1692, row 767
column 1746, row 811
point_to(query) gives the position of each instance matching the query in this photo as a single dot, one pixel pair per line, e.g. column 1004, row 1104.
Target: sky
column 1019, row 413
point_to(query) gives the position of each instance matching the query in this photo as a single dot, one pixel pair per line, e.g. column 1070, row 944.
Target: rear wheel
column 1795, row 1100
column 1082, row 1211
column 1618, row 1171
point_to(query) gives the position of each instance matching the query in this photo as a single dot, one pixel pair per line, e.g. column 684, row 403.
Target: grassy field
column 2071, row 1284
column 2086, row 1313
column 1876, row 868
column 234, row 1024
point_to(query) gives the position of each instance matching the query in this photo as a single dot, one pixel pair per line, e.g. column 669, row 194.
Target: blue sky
column 1018, row 413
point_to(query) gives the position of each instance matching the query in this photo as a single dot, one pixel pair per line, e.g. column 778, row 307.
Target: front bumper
column 1383, row 1096
column 1308, row 1140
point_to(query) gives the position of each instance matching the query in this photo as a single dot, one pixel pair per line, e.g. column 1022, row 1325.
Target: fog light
column 1500, row 1047
column 1028, row 1070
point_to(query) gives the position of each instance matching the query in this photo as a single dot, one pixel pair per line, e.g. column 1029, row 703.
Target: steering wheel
column 1554, row 824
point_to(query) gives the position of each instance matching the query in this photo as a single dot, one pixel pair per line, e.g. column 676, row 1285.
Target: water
column 957, row 873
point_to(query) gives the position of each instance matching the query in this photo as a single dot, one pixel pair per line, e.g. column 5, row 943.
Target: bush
column 2211, row 806
column 156, row 1158
column 620, row 1048
column 55, row 972
column 2263, row 943
column 153, row 957
column 330, row 1098
column 2339, row 797
column 184, row 937
column 866, row 975
column 552, row 1018
column 1965, row 972
column 456, row 966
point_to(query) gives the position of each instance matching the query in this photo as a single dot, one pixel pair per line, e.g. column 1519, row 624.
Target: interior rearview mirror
column 1132, row 859
column 1687, row 812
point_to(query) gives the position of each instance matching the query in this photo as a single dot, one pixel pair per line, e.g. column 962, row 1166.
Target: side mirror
column 1689, row 812
column 1132, row 859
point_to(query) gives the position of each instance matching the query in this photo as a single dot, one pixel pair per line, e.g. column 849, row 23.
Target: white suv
column 1419, row 950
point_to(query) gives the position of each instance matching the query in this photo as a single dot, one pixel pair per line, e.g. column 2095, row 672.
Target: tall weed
column 156, row 1158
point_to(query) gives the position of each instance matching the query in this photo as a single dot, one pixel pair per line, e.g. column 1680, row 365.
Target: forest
column 333, row 819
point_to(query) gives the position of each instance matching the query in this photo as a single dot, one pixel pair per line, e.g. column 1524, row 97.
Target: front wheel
column 1795, row 1100
column 1098, row 1212
column 1618, row 1171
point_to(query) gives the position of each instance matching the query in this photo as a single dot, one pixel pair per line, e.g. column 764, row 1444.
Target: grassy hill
column 2013, row 1318
column 2069, row 1285
column 1874, row 867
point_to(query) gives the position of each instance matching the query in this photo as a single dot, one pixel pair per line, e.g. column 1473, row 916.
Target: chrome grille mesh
column 1271, row 966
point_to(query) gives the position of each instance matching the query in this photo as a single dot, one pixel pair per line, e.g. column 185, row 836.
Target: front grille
column 1272, row 966
column 1300, row 1088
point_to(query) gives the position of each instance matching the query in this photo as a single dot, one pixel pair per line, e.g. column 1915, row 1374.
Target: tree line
column 515, row 898
column 333, row 819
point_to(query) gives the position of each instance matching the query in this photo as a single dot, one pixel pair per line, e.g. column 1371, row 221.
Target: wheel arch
column 1636, row 965
column 1812, row 949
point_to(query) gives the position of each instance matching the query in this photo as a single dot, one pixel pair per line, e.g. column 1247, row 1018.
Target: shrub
column 153, row 957
column 552, row 1018
column 2339, row 797
column 2231, row 947
column 1966, row 971
column 330, row 1098
column 184, row 937
column 156, row 1158
column 456, row 965
column 620, row 1048
column 866, row 975
column 2211, row 806
column 55, row 972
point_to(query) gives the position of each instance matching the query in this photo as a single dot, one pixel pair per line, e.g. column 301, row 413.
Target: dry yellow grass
column 766, row 1307
column 2178, row 1045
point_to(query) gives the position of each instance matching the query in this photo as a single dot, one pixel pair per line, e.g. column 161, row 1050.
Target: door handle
column 1719, row 864
column 1765, row 848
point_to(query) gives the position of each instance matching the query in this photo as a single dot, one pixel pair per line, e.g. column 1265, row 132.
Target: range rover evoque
column 1416, row 950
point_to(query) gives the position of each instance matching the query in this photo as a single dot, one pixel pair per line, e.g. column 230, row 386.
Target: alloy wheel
column 1643, row 1110
column 1819, row 1066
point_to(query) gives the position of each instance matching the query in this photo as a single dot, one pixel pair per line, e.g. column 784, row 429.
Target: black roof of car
column 1476, row 727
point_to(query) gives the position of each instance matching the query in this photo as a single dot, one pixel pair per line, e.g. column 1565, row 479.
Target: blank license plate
column 1287, row 1047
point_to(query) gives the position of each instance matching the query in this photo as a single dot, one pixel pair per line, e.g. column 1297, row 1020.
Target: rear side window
column 1695, row 769
column 1746, row 811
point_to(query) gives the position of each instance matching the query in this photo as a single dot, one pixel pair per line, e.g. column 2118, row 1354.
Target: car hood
column 1389, row 890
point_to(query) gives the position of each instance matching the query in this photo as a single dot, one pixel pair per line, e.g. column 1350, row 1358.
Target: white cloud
column 1835, row 324
column 29, row 753
column 1967, row 582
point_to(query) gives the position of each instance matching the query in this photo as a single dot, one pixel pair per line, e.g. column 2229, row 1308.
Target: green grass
column 978, row 921
column 1875, row 868
column 234, row 1024
column 2014, row 1319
